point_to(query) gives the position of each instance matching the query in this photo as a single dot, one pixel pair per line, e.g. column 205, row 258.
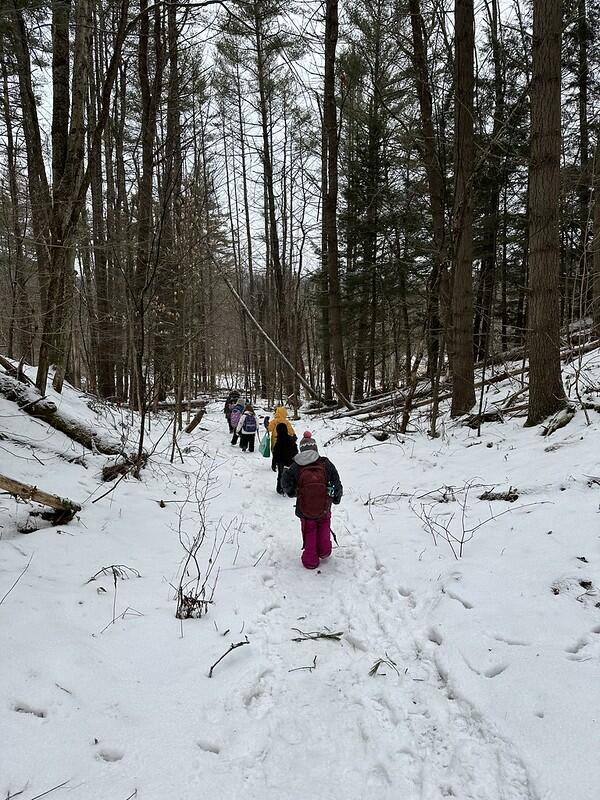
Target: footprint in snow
column 110, row 754
column 208, row 747
column 454, row 596
column 575, row 648
column 25, row 708
column 258, row 699
column 435, row 636
column 493, row 672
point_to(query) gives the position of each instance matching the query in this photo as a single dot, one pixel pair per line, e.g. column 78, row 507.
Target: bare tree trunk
column 435, row 181
column 278, row 267
column 463, row 391
column 331, row 197
column 546, row 393
column 249, row 249
column 596, row 245
column 103, row 310
column 145, row 266
column 483, row 327
column 20, row 333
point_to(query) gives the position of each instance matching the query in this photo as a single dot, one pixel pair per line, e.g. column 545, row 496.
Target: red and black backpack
column 313, row 500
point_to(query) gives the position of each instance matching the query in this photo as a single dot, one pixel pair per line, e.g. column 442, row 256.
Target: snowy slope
column 491, row 688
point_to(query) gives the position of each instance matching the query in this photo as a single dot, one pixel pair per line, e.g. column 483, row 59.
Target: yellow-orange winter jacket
column 280, row 416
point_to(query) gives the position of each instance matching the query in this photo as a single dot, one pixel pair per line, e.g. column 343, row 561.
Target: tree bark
column 435, row 182
column 596, row 246
column 463, row 391
column 331, row 196
column 546, row 393
column 275, row 252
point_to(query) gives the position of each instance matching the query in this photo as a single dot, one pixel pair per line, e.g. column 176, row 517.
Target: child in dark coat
column 315, row 483
column 230, row 402
column 284, row 450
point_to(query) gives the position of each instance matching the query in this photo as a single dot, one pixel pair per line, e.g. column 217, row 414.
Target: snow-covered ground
column 488, row 684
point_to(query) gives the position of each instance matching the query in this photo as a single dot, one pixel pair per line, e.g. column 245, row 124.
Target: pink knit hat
column 307, row 443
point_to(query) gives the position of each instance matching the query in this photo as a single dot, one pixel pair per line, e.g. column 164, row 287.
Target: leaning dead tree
column 270, row 342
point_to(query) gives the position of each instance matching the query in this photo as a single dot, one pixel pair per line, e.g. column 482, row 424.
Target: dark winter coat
column 232, row 399
column 289, row 480
column 284, row 449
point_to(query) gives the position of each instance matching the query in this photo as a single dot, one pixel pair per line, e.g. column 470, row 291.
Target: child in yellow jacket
column 281, row 416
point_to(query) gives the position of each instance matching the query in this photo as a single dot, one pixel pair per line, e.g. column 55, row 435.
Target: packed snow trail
column 488, row 683
column 335, row 729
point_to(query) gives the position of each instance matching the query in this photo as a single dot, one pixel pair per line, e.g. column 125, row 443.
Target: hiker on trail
column 232, row 399
column 284, row 450
column 280, row 415
column 315, row 483
column 246, row 428
column 234, row 418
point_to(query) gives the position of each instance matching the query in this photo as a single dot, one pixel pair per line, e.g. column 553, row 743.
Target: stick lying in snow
column 64, row 509
column 48, row 791
column 311, row 636
column 231, row 647
column 309, row 667
column 5, row 595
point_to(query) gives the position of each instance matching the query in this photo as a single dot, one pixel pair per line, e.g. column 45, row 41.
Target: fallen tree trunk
column 16, row 372
column 167, row 405
column 196, row 420
column 65, row 509
column 32, row 402
column 388, row 402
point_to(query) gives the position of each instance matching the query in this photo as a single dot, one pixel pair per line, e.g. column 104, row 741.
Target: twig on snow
column 117, row 571
column 308, row 668
column 10, row 796
column 54, row 788
column 15, row 583
column 380, row 662
column 311, row 636
column 226, row 653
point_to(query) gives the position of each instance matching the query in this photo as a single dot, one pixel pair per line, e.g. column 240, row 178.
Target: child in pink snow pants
column 316, row 540
column 315, row 483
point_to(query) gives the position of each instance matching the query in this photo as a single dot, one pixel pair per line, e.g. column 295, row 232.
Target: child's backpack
column 313, row 499
column 249, row 424
column 236, row 413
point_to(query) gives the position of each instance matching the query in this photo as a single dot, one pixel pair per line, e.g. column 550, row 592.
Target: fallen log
column 26, row 397
column 559, row 420
column 475, row 420
column 124, row 466
column 64, row 509
column 510, row 496
column 16, row 372
column 32, row 402
column 196, row 420
column 167, row 405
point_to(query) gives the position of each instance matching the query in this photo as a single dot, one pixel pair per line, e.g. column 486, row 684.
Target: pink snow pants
column 316, row 538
